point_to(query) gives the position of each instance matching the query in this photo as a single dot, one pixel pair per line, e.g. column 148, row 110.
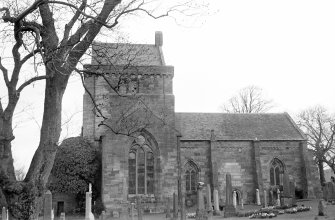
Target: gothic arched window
column 276, row 172
column 141, row 168
column 191, row 177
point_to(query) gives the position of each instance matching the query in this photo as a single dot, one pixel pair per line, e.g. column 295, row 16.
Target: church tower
column 132, row 118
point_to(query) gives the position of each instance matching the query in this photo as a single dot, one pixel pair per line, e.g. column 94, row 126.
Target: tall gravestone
column 139, row 208
column 278, row 198
column 229, row 208
column 201, row 212
column 258, row 198
column 234, row 199
column 168, row 213
column 209, row 199
column 216, row 201
column 47, row 210
column 3, row 213
column 175, row 206
column 265, row 198
column 88, row 204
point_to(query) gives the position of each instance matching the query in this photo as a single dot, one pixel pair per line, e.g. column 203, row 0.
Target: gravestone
column 175, row 206
column 62, row 216
column 88, row 204
column 292, row 190
column 209, row 200
column 258, row 198
column 271, row 199
column 47, row 209
column 321, row 208
column 278, row 198
column 230, row 210
column 201, row 212
column 265, row 198
column 3, row 213
column 287, row 195
column 103, row 215
column 168, row 213
column 330, row 191
column 139, row 208
column 234, row 199
column 216, row 201
column 132, row 210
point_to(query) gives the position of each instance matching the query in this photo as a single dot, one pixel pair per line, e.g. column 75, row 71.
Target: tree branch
column 5, row 73
column 31, row 81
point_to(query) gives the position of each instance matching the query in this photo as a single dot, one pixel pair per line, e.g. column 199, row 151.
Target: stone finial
column 159, row 38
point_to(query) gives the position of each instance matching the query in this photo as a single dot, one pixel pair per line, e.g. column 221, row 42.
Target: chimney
column 158, row 38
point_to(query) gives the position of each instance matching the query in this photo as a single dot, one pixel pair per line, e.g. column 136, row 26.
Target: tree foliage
column 319, row 127
column 77, row 164
column 248, row 100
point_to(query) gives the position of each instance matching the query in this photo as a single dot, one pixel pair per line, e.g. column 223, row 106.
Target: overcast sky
column 287, row 48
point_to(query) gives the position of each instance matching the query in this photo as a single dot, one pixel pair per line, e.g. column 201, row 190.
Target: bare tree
column 38, row 32
column 319, row 127
column 248, row 100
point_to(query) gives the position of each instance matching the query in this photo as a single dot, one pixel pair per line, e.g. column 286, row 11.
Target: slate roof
column 126, row 54
column 198, row 126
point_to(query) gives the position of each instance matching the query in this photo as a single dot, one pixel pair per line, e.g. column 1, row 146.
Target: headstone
column 47, row 209
column 103, row 215
column 168, row 213
column 209, row 200
column 216, row 201
column 333, row 190
column 242, row 203
column 330, row 190
column 175, row 206
column 292, row 191
column 286, row 186
column 265, row 198
column 271, row 199
column 132, row 209
column 183, row 214
column 201, row 212
column 234, row 199
column 3, row 213
column 88, row 204
column 229, row 208
column 62, row 216
column 278, row 197
column 321, row 208
column 139, row 208
column 258, row 198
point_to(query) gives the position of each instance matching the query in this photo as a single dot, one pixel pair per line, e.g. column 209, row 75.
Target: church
column 129, row 111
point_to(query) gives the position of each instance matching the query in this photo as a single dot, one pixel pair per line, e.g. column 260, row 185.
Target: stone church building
column 138, row 131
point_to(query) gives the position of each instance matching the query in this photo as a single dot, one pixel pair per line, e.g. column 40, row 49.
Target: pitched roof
column 126, row 54
column 198, row 126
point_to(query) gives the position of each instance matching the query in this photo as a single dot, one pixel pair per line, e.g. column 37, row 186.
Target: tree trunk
column 44, row 156
column 322, row 173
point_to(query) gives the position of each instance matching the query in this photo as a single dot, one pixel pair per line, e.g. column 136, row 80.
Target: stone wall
column 234, row 157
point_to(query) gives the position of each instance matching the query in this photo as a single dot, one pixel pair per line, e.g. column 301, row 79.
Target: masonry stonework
column 137, row 104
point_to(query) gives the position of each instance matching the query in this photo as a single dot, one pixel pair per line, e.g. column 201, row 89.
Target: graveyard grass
column 330, row 213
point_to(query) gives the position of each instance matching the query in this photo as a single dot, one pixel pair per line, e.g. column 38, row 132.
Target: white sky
column 287, row 48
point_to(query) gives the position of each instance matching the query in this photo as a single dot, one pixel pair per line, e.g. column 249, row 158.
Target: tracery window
column 141, row 168
column 276, row 172
column 191, row 177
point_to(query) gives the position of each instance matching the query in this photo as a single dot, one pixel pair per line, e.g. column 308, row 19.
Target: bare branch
column 31, row 81
column 5, row 73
